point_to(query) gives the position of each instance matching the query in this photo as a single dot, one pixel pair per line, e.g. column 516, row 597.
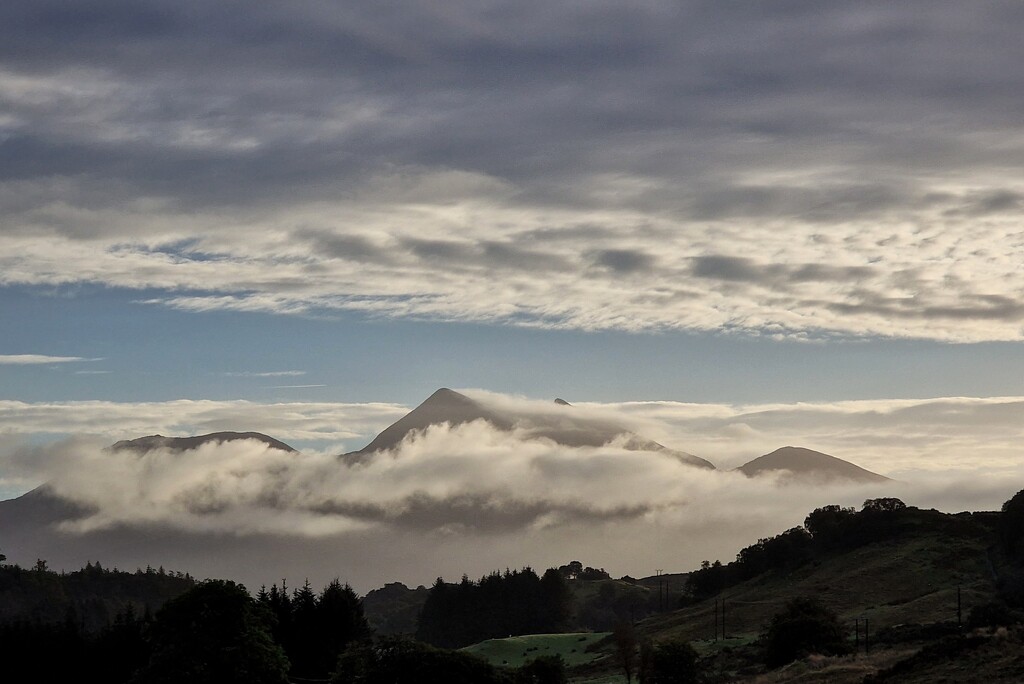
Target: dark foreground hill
column 898, row 577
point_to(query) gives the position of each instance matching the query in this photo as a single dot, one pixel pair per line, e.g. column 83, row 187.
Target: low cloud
column 472, row 498
column 478, row 497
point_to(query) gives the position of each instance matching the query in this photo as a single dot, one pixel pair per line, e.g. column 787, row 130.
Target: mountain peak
column 447, row 406
column 144, row 444
column 802, row 462
column 443, row 406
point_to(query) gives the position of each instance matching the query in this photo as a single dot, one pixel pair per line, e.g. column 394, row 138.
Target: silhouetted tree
column 213, row 634
column 672, row 662
column 805, row 626
column 1011, row 526
column 624, row 638
column 829, row 526
column 394, row 660
column 542, row 670
column 516, row 602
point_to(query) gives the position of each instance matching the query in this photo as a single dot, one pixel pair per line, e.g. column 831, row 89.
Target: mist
column 449, row 500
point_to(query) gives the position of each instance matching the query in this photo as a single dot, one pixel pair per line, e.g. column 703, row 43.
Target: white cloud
column 38, row 359
column 265, row 374
column 323, row 423
column 464, row 499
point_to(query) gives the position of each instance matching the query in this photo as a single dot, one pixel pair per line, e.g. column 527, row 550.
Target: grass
column 912, row 579
column 519, row 650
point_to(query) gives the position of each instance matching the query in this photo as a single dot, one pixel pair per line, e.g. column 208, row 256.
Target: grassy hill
column 904, row 585
column 909, row 578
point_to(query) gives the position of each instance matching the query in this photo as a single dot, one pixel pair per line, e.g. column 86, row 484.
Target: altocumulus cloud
column 818, row 169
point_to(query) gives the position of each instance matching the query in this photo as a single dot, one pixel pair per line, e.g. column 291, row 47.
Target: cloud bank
column 478, row 496
column 472, row 498
column 802, row 170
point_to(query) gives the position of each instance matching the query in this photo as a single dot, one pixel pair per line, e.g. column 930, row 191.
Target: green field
column 519, row 650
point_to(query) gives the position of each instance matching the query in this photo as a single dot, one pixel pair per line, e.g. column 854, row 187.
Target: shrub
column 803, row 627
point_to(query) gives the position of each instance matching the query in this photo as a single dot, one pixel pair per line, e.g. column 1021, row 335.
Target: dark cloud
column 349, row 247
column 740, row 269
column 813, row 204
column 624, row 260
column 487, row 254
column 987, row 203
column 970, row 308
column 533, row 91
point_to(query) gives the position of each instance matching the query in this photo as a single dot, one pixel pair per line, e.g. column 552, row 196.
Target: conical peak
column 445, row 394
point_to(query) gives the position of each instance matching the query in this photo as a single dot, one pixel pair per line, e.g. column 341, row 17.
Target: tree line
column 498, row 605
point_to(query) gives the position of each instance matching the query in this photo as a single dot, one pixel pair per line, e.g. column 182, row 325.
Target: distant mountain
column 144, row 444
column 806, row 463
column 560, row 425
column 443, row 406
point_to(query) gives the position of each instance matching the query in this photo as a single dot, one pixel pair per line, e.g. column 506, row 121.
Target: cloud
column 471, row 498
column 453, row 499
column 38, row 359
column 683, row 166
column 264, row 374
column 322, row 424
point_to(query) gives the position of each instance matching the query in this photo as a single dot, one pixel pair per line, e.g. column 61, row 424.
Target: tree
column 543, row 670
column 672, row 662
column 213, row 634
column 394, row 660
column 830, row 525
column 625, row 641
column 803, row 627
column 883, row 505
column 1011, row 526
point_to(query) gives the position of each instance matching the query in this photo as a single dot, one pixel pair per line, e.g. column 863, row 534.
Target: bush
column 672, row 662
column 805, row 626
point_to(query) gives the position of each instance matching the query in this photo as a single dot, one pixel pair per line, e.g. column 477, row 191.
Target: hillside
column 908, row 577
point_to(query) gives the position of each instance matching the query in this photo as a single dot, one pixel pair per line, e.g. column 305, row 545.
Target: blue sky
column 142, row 352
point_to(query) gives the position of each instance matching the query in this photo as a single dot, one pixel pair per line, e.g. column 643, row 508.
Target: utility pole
column 723, row 619
column 959, row 614
column 716, row 619
column 661, row 602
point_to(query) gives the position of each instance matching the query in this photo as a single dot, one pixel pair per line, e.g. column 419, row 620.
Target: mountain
column 806, row 463
column 144, row 444
column 561, row 425
column 443, row 406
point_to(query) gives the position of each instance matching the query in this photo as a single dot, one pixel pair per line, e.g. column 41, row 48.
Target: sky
column 303, row 219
